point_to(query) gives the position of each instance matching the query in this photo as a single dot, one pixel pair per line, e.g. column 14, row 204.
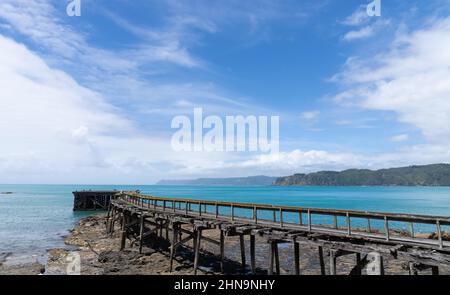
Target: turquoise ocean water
column 36, row 217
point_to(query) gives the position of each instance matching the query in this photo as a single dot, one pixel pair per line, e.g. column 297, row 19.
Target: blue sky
column 90, row 99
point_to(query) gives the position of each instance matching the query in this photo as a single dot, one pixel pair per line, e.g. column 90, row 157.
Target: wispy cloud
column 400, row 138
column 309, row 116
column 357, row 18
column 366, row 31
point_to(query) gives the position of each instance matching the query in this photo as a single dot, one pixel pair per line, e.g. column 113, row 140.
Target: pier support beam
column 297, row 258
column 253, row 253
column 174, row 246
column 197, row 242
column 274, row 258
column 123, row 232
column 222, row 250
column 321, row 261
column 141, row 233
column 358, row 263
column 333, row 258
column 412, row 269
column 242, row 244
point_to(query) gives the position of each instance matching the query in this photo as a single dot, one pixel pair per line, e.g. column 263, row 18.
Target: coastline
column 99, row 254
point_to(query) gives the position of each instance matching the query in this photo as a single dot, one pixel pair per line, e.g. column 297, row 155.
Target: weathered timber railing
column 257, row 214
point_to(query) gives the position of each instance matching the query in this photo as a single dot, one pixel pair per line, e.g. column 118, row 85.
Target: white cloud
column 411, row 80
column 298, row 160
column 400, row 138
column 362, row 33
column 310, row 116
column 367, row 31
column 358, row 17
column 55, row 130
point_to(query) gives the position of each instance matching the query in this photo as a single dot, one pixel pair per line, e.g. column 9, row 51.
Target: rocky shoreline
column 92, row 252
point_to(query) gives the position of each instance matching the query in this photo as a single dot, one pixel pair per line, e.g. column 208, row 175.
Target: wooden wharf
column 186, row 219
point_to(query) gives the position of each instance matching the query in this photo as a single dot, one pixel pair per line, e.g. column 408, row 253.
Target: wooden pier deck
column 90, row 200
column 141, row 216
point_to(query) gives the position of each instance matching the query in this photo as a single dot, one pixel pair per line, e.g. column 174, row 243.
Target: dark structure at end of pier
column 88, row 200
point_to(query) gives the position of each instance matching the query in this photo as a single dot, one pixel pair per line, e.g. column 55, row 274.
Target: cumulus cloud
column 55, row 130
column 411, row 80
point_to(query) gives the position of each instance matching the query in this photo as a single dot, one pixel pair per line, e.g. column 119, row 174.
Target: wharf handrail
column 175, row 204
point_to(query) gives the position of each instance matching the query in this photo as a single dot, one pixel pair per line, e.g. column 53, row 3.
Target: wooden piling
column 297, row 258
column 271, row 259
column 412, row 269
column 333, row 262
column 198, row 234
column 123, row 233
column 358, row 262
column 274, row 258
column 253, row 253
column 242, row 244
column 112, row 222
column 222, row 250
column 141, row 233
column 173, row 245
column 321, row 261
column 277, row 258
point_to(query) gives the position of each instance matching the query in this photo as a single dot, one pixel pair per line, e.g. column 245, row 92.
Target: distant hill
column 428, row 175
column 251, row 180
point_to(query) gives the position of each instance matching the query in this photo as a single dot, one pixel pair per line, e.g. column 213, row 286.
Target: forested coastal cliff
column 427, row 175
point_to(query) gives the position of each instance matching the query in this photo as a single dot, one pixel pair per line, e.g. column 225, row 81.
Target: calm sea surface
column 36, row 217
